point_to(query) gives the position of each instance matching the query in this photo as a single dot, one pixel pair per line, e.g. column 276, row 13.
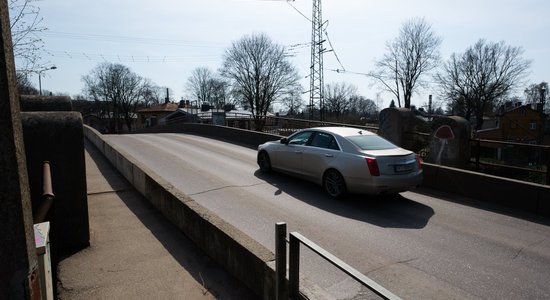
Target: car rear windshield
column 371, row 142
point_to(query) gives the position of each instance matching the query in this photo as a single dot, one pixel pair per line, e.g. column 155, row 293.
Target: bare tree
column 206, row 87
column 536, row 95
column 24, row 85
column 337, row 99
column 152, row 94
column 26, row 25
column 363, row 108
column 260, row 73
column 119, row 90
column 220, row 93
column 411, row 55
column 474, row 82
column 198, row 84
column 292, row 102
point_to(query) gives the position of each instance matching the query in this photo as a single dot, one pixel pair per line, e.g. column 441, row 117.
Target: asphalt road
column 420, row 245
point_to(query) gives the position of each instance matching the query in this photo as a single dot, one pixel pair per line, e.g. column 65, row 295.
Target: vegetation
column 409, row 57
column 259, row 72
column 473, row 82
column 117, row 92
column 26, row 26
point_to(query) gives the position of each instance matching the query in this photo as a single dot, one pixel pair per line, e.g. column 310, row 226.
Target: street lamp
column 40, row 80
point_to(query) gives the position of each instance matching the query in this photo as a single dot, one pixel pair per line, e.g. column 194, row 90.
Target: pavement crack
column 108, row 192
column 518, row 253
column 226, row 187
column 391, row 264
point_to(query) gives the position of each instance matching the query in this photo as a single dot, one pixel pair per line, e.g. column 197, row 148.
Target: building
column 150, row 116
column 520, row 124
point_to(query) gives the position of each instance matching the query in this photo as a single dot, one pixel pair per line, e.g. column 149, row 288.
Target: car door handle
column 328, row 155
column 298, row 152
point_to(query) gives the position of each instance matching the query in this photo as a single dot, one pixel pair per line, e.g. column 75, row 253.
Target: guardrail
column 295, row 240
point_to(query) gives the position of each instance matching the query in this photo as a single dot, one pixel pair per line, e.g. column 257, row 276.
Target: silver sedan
column 342, row 160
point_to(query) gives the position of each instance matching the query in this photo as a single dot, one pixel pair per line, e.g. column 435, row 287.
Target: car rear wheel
column 264, row 162
column 334, row 184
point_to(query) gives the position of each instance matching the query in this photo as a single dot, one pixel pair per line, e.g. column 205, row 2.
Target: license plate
column 403, row 168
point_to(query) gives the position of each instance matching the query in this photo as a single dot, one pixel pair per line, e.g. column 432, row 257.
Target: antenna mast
column 316, row 67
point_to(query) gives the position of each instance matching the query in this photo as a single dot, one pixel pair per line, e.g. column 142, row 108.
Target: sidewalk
column 135, row 253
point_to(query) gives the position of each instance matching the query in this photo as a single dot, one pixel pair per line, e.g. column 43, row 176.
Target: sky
column 165, row 40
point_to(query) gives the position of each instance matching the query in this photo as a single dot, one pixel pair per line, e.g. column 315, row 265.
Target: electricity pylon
column 316, row 67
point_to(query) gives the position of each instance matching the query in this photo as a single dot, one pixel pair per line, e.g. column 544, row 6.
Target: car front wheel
column 334, row 184
column 264, row 162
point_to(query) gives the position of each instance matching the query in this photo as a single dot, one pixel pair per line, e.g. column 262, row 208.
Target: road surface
column 420, row 245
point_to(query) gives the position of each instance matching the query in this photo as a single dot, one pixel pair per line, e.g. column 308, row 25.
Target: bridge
column 444, row 240
column 462, row 235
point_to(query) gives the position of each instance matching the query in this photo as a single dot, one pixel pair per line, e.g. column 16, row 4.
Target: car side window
column 324, row 140
column 300, row 138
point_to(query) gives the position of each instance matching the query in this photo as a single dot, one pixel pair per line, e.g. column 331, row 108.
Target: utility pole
column 316, row 67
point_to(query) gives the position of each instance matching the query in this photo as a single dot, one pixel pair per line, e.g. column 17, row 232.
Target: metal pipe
column 47, row 194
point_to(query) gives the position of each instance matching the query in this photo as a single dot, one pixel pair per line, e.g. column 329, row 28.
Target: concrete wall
column 243, row 137
column 522, row 195
column 242, row 256
column 58, row 137
column 45, row 103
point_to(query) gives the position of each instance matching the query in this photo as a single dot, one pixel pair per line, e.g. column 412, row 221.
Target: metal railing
column 520, row 161
column 526, row 162
column 47, row 195
column 295, row 241
column 287, row 126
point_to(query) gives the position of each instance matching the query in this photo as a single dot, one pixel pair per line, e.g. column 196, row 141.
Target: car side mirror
column 284, row 141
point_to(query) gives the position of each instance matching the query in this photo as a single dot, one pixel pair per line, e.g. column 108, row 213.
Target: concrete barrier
column 45, row 103
column 58, row 137
column 243, row 137
column 242, row 256
column 517, row 194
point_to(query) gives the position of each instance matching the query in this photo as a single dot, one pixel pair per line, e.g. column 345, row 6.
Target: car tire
column 264, row 162
column 334, row 184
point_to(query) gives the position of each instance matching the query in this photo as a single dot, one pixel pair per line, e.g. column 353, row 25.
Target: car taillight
column 373, row 166
column 419, row 161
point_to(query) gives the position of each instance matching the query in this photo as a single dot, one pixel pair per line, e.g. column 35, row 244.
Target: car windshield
column 371, row 142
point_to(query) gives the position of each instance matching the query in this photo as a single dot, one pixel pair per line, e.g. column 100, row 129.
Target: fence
column 519, row 161
column 513, row 160
column 295, row 241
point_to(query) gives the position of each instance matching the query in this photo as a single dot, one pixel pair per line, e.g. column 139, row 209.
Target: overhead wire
column 132, row 39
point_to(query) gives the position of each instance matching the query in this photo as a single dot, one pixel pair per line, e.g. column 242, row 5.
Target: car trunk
column 394, row 161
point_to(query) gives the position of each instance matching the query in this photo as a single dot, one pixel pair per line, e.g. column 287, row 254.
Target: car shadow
column 394, row 211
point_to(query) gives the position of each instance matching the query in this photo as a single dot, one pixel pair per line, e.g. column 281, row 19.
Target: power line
column 333, row 50
column 299, row 11
column 130, row 58
column 131, row 39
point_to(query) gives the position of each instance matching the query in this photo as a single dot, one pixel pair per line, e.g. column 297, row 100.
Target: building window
column 533, row 125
